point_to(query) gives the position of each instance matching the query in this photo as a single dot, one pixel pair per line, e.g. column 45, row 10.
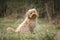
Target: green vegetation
column 43, row 31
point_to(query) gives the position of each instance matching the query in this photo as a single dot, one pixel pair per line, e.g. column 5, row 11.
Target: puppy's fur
column 28, row 24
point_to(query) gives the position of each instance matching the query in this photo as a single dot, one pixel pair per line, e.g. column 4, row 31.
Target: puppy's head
column 32, row 14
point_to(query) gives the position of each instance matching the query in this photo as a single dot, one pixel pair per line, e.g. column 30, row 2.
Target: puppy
column 28, row 25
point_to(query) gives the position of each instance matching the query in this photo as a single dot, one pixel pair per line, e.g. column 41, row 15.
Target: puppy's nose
column 34, row 14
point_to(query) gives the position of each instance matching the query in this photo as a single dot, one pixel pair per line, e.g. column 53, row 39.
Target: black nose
column 34, row 14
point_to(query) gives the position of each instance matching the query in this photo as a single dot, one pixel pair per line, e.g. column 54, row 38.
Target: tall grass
column 43, row 31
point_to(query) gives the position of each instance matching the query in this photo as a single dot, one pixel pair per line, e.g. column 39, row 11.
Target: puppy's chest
column 32, row 23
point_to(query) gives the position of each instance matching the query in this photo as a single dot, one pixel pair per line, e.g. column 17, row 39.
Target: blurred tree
column 3, row 7
column 47, row 8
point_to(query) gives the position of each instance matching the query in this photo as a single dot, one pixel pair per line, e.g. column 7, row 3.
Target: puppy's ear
column 36, row 13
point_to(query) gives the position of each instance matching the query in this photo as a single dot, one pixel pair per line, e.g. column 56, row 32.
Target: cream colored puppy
column 28, row 24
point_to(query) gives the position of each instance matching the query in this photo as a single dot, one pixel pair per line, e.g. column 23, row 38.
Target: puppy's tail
column 9, row 29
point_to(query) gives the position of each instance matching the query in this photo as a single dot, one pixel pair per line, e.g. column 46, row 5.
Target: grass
column 43, row 31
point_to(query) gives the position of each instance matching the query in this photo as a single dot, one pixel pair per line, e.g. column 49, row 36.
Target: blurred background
column 48, row 9
column 12, row 13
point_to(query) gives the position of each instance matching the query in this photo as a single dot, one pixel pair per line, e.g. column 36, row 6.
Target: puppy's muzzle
column 33, row 16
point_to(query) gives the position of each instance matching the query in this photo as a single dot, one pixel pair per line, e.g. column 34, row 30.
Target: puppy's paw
column 9, row 29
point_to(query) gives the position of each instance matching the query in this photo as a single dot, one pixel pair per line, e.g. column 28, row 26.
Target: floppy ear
column 36, row 13
column 27, row 13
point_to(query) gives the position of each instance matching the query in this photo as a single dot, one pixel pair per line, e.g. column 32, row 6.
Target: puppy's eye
column 30, row 13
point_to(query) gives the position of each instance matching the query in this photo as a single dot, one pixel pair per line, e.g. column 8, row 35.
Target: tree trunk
column 48, row 13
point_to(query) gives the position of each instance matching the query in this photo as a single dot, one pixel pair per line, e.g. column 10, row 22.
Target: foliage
column 21, row 6
column 43, row 31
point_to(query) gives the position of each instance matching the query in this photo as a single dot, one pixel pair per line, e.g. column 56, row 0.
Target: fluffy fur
column 28, row 24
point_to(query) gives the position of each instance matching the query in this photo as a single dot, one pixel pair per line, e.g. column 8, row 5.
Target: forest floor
column 43, row 31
